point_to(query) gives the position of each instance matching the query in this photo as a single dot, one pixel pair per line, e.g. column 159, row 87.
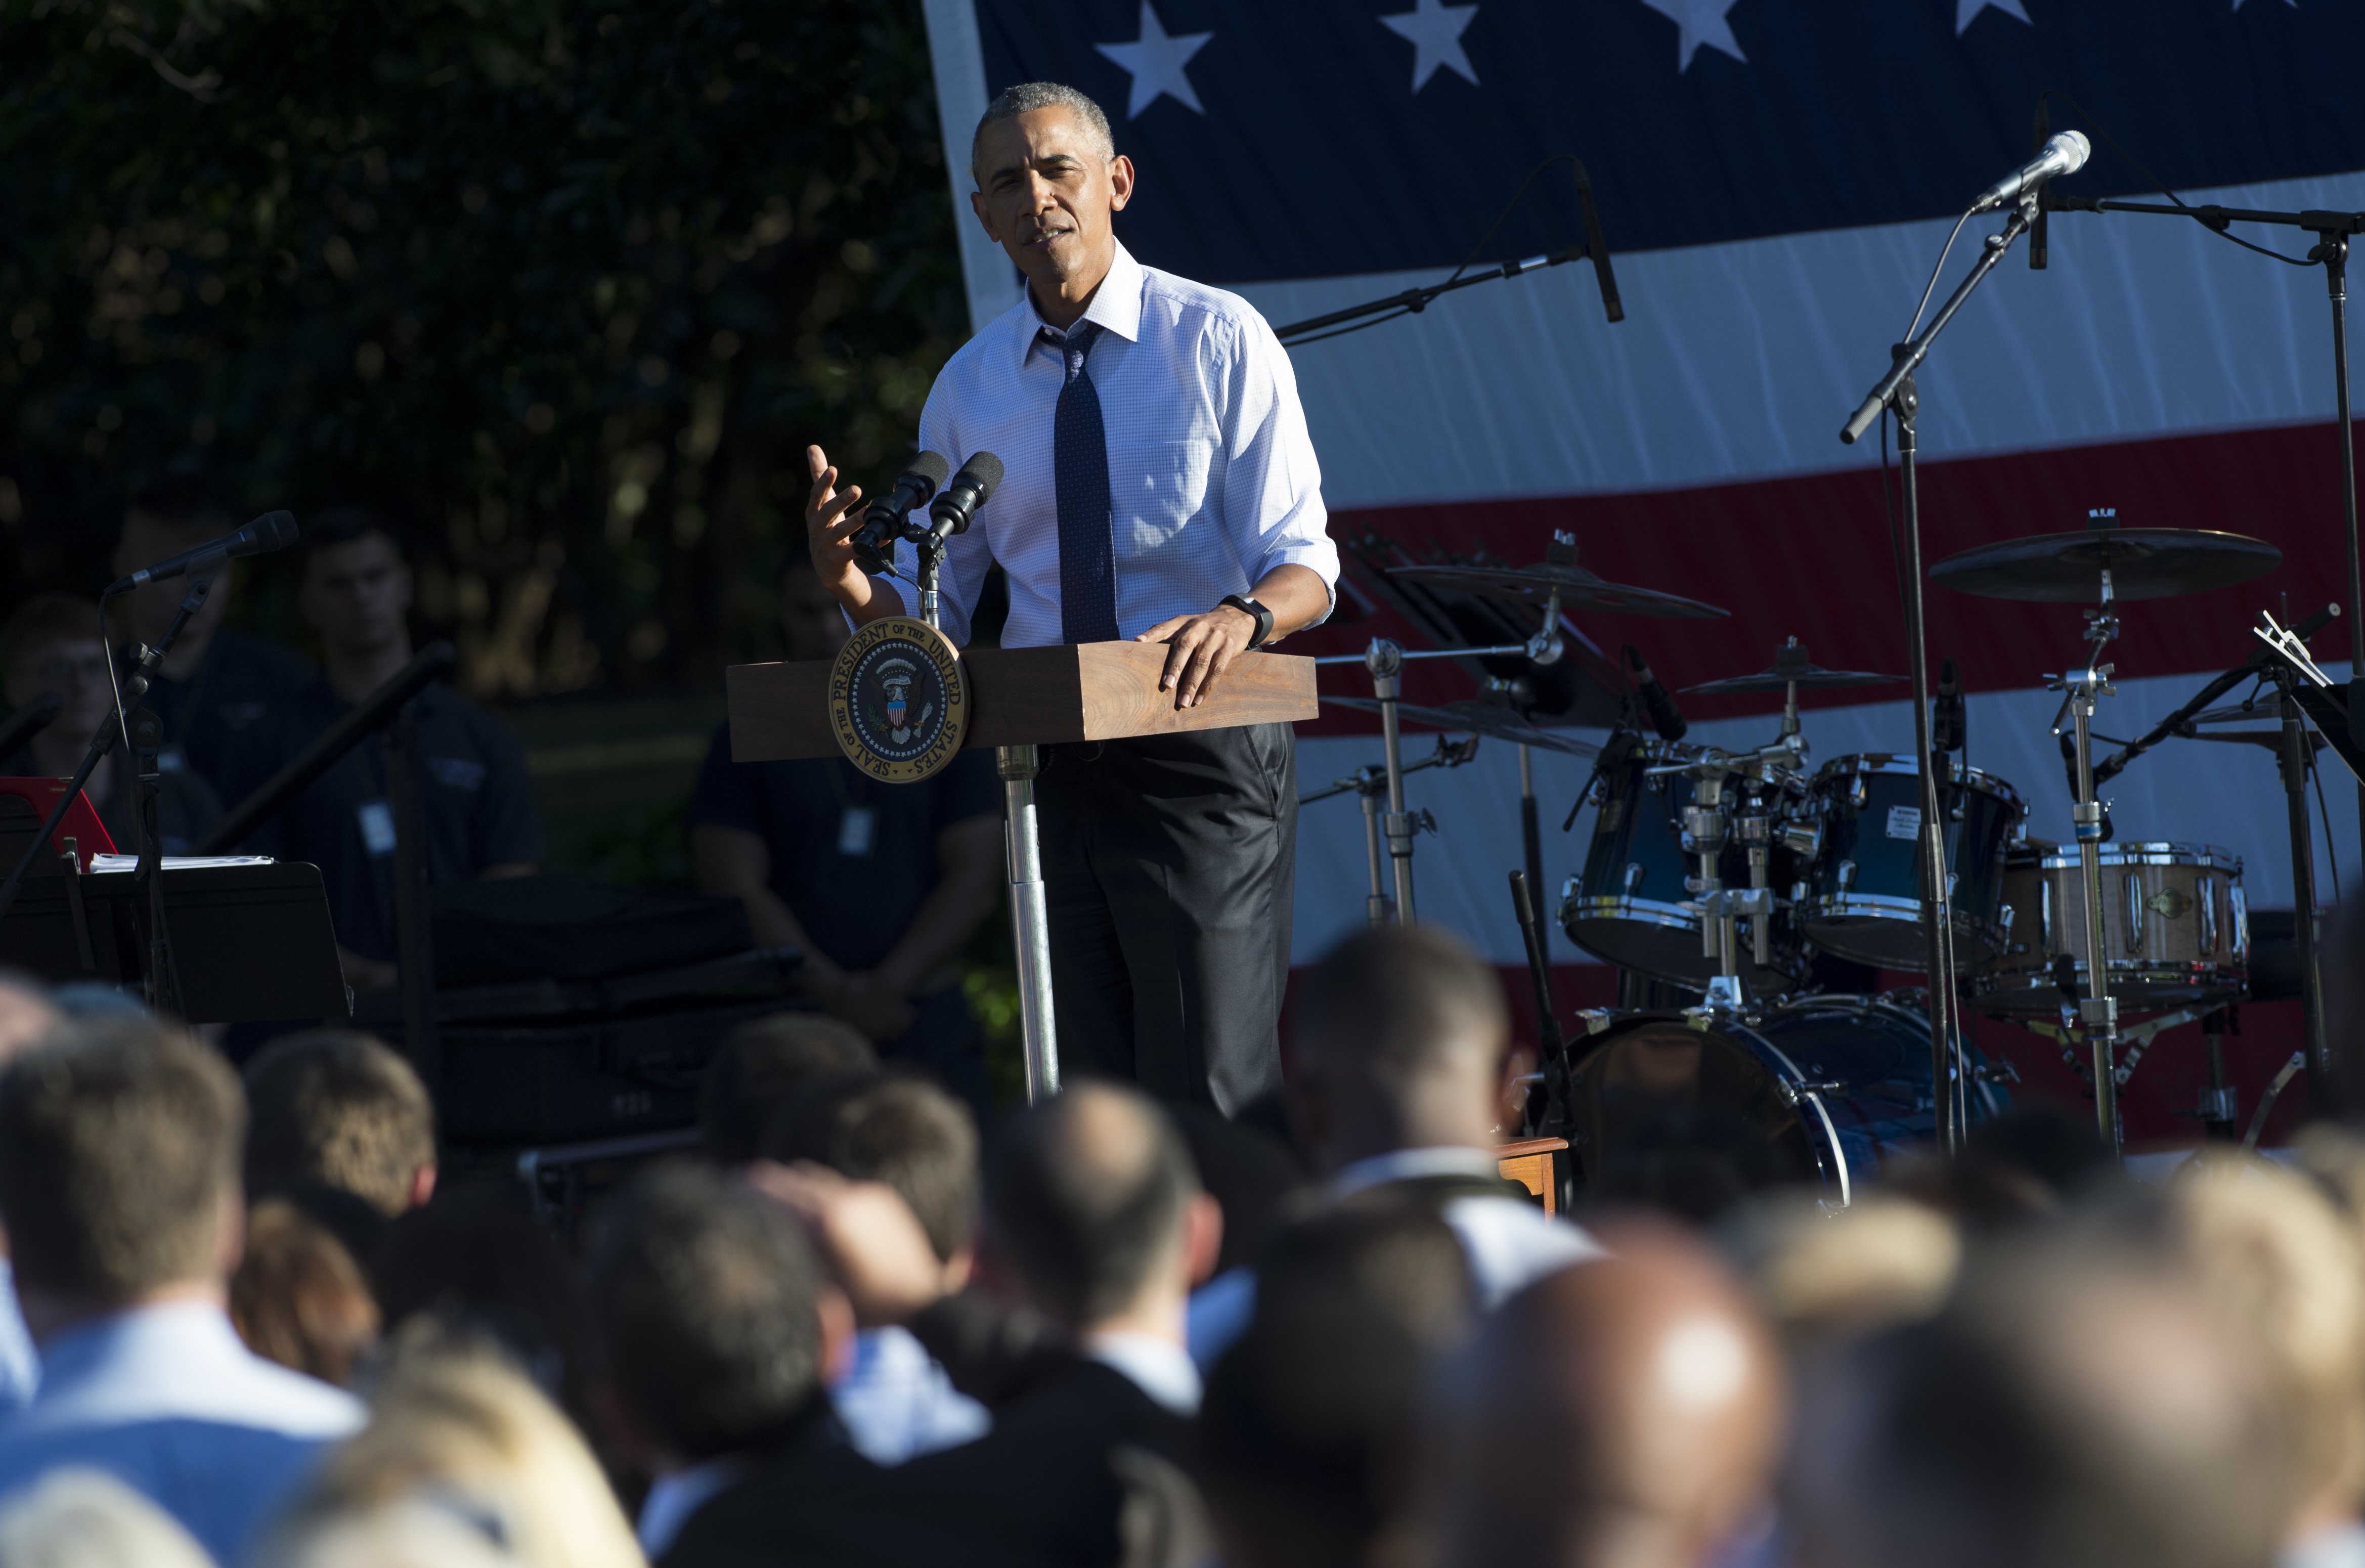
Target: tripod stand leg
column 1030, row 920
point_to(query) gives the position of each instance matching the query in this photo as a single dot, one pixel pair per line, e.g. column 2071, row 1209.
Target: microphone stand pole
column 1896, row 394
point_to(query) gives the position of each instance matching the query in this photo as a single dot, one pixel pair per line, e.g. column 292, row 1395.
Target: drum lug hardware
column 1596, row 1019
column 1846, row 878
column 1632, row 880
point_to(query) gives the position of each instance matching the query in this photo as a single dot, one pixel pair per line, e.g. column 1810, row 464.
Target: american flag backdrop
column 1775, row 179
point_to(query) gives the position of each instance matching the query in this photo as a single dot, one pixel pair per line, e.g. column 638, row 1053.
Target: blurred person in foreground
column 298, row 1298
column 720, row 1326
column 457, row 1437
column 476, row 802
column 1822, row 1277
column 53, row 644
column 1627, row 1414
column 86, row 1518
column 1401, row 1050
column 765, row 1064
column 912, row 1136
column 26, row 1017
column 2268, row 1250
column 475, row 1257
column 340, row 1109
column 119, row 1187
column 227, row 700
column 2080, row 1404
column 879, row 885
column 1306, row 1451
column 1094, row 1227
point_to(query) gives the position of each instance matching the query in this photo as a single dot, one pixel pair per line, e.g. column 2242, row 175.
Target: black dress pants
column 1171, row 863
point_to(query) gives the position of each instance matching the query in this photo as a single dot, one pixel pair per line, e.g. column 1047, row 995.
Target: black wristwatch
column 1256, row 612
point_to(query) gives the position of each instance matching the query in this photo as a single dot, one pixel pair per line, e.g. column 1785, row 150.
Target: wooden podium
column 1021, row 698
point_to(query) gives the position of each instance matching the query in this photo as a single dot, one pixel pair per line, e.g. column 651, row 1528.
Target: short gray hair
column 1012, row 102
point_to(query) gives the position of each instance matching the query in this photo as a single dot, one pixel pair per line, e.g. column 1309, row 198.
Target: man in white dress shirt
column 1160, row 487
column 119, row 1185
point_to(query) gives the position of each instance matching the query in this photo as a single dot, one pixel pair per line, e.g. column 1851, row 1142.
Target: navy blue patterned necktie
column 1080, row 476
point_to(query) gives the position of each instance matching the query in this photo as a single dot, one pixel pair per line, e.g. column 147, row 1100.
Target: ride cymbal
column 2144, row 563
column 1578, row 589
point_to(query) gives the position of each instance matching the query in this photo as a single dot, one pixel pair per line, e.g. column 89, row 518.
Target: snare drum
column 2175, row 928
column 1630, row 904
column 1863, row 898
column 1828, row 1089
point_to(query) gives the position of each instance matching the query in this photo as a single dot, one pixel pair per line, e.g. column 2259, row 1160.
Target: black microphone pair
column 951, row 507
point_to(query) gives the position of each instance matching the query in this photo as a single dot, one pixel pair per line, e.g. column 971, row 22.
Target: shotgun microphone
column 1665, row 717
column 1596, row 247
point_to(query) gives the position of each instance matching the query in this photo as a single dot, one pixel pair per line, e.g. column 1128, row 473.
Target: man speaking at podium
column 1162, row 486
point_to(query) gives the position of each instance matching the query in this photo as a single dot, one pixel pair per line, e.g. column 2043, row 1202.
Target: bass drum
column 1630, row 906
column 1825, row 1089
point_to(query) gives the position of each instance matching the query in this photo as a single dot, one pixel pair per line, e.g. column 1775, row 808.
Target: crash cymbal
column 1578, row 589
column 1481, row 719
column 1790, row 667
column 2144, row 563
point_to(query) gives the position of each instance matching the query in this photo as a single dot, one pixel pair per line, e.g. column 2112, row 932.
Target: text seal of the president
column 899, row 700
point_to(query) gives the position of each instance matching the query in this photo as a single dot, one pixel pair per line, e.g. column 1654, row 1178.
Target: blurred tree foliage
column 567, row 285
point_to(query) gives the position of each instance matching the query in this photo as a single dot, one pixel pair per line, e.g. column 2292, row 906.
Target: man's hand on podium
column 1199, row 648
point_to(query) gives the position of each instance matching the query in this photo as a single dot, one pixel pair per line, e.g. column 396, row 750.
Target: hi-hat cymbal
column 1790, row 667
column 1578, row 589
column 2144, row 563
column 1481, row 719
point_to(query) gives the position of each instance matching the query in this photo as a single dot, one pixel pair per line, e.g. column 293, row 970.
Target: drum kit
column 1733, row 876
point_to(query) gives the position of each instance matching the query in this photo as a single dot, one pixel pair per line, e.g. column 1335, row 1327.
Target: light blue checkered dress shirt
column 1213, row 480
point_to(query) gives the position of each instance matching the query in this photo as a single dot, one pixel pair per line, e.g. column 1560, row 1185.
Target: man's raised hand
column 831, row 517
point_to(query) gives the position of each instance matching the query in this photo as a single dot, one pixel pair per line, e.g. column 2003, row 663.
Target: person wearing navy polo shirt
column 880, row 885
column 476, row 802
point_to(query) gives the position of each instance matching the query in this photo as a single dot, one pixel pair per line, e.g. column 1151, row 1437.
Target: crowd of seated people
column 265, row 1325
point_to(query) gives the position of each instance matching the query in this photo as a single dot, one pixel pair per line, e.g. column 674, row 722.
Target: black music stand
column 252, row 943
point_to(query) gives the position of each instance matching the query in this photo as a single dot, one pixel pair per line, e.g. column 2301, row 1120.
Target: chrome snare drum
column 1827, row 1089
column 1863, row 897
column 1630, row 906
column 2175, row 928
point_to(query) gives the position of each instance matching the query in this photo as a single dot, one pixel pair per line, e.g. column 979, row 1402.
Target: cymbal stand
column 2098, row 1011
column 1371, row 784
column 1385, row 659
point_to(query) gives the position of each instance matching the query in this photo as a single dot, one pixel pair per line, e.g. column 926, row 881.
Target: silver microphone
column 2064, row 154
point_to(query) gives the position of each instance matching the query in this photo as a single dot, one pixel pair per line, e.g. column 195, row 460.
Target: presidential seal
column 899, row 700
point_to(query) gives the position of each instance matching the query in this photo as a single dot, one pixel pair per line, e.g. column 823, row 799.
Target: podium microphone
column 1665, row 717
column 956, row 505
column 22, row 725
column 882, row 521
column 271, row 531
